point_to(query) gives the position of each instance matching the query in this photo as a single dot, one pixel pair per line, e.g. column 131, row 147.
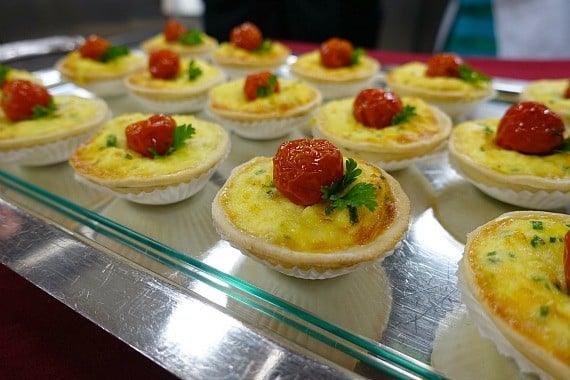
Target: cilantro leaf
column 404, row 116
column 114, row 52
column 472, row 76
column 263, row 91
column 191, row 37
column 3, row 73
column 356, row 54
column 41, row 111
column 193, row 71
column 181, row 134
column 340, row 196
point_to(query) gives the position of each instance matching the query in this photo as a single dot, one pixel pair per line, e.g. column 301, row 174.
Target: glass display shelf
column 380, row 320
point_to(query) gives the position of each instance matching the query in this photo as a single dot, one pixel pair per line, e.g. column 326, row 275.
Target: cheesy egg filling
column 549, row 92
column 309, row 65
column 159, row 42
column 476, row 140
column 84, row 70
column 254, row 206
column 229, row 54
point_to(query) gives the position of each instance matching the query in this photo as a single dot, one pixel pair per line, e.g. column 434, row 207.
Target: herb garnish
column 472, row 76
column 265, row 47
column 3, row 73
column 536, row 240
column 361, row 194
column 111, row 141
column 191, row 37
column 356, row 54
column 114, row 52
column 537, row 225
column 181, row 134
column 263, row 91
column 193, row 70
column 41, row 111
column 404, row 116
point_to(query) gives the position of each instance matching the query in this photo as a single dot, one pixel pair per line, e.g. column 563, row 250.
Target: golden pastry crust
column 551, row 93
column 180, row 87
column 473, row 151
column 253, row 215
column 522, row 253
column 410, row 80
column 74, row 116
column 424, row 133
column 84, row 70
column 228, row 54
column 123, row 170
column 308, row 66
column 158, row 42
column 295, row 98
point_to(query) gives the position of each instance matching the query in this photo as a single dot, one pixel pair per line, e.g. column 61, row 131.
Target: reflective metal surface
column 160, row 278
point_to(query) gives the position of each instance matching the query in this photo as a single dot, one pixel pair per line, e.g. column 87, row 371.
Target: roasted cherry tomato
column 567, row 260
column 246, row 36
column 152, row 135
column 164, row 64
column 444, row 65
column 260, row 84
column 19, row 97
column 567, row 92
column 302, row 167
column 173, row 30
column 94, row 47
column 375, row 108
column 336, row 52
column 530, row 127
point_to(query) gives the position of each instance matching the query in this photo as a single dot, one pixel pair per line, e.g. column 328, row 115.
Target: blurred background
column 503, row 28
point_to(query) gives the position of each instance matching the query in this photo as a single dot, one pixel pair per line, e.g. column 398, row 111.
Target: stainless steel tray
column 381, row 320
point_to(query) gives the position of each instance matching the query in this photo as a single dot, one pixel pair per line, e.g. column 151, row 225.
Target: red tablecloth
column 41, row 338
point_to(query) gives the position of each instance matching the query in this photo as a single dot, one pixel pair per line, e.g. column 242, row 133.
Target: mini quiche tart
column 512, row 280
column 306, row 240
column 177, row 38
column 51, row 139
column 186, row 91
column 536, row 181
column 275, row 114
column 100, row 75
column 106, row 162
column 455, row 96
column 393, row 146
column 336, row 79
column 551, row 92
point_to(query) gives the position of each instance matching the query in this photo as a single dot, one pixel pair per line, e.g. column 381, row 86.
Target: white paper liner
column 234, row 72
column 456, row 110
column 488, row 330
column 263, row 129
column 336, row 90
column 313, row 274
column 46, row 154
column 164, row 196
column 537, row 200
column 189, row 105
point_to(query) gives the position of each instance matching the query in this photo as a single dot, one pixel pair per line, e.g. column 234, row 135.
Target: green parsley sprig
column 41, row 111
column 472, row 76
column 191, row 37
column 263, row 91
column 404, row 116
column 181, row 134
column 341, row 196
column 193, row 71
column 265, row 47
column 3, row 73
column 114, row 52
column 356, row 54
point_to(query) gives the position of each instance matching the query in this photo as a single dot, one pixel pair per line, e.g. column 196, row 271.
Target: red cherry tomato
column 94, row 47
column 375, row 108
column 265, row 80
column 153, row 134
column 567, row 259
column 444, row 65
column 164, row 64
column 301, row 167
column 336, row 52
column 530, row 127
column 173, row 30
column 19, row 97
column 246, row 36
column 567, row 92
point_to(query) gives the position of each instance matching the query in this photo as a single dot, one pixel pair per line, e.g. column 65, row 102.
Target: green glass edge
column 121, row 233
